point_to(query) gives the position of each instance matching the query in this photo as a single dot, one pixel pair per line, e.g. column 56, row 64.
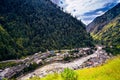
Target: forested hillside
column 110, row 35
column 29, row 26
column 7, row 45
column 106, row 29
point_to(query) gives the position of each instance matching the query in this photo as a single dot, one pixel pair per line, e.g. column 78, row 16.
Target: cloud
column 86, row 10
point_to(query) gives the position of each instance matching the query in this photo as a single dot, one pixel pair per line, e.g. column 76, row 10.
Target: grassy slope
column 109, row 71
column 110, row 34
column 111, row 28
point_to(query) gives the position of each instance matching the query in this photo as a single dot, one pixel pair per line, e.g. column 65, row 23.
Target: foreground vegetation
column 108, row 71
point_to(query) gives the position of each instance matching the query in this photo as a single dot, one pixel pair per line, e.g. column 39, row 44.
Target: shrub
column 69, row 74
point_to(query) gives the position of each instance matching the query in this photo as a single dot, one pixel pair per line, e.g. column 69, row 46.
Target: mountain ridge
column 97, row 24
column 105, row 30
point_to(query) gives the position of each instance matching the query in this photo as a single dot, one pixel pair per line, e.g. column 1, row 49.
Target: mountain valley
column 41, row 41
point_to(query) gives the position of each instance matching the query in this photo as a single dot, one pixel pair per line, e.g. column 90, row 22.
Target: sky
column 86, row 10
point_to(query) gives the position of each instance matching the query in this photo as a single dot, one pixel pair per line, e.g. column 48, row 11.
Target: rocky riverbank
column 41, row 59
column 98, row 57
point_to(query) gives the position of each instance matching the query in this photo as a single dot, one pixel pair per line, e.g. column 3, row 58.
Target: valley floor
column 57, row 67
column 43, row 64
column 95, row 59
column 109, row 71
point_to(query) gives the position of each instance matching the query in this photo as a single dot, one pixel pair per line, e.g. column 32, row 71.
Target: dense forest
column 29, row 26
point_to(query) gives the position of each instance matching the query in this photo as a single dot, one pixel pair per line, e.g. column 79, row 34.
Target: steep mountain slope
column 106, row 29
column 7, row 45
column 37, row 25
column 110, row 35
column 98, row 23
column 110, row 32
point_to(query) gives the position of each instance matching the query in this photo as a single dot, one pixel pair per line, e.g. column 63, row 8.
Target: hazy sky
column 86, row 10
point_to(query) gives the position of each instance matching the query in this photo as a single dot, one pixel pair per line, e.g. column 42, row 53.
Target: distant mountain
column 29, row 26
column 98, row 23
column 110, row 33
column 106, row 29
